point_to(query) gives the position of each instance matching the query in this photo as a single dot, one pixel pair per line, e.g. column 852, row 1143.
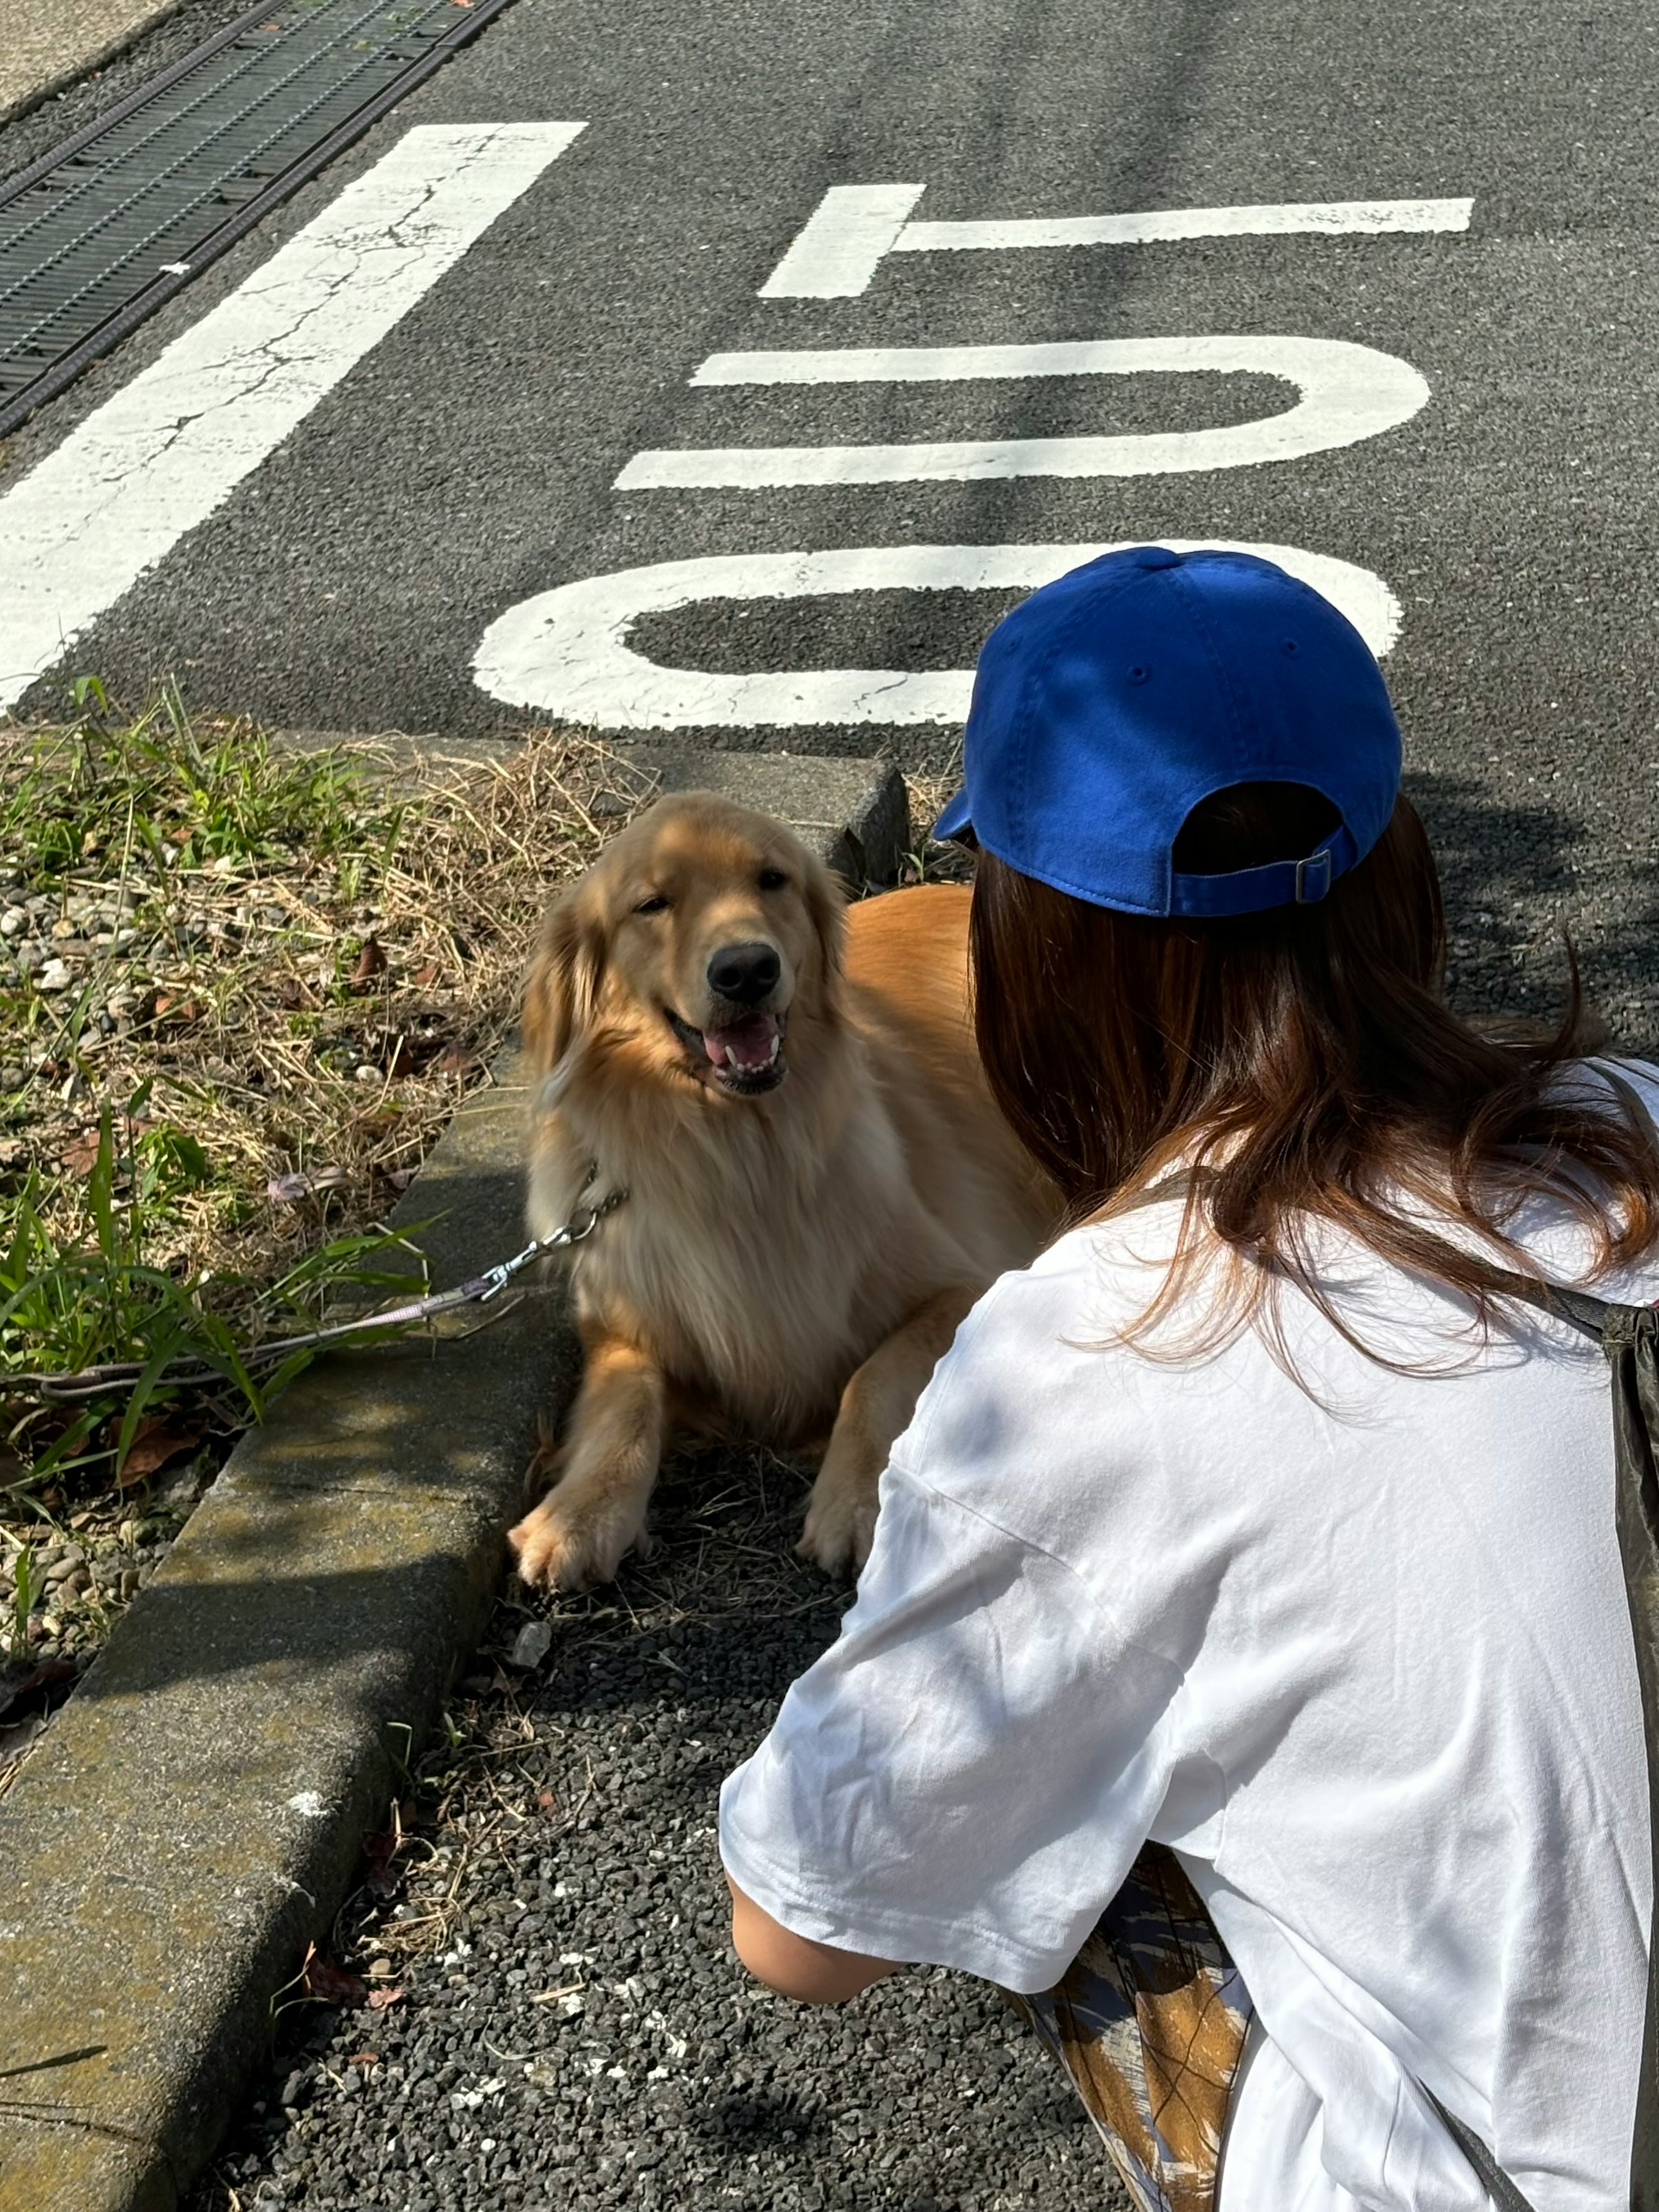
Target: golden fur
column 791, row 1261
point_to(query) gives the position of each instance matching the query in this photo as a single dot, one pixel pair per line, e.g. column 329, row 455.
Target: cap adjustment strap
column 1314, row 878
column 1279, row 883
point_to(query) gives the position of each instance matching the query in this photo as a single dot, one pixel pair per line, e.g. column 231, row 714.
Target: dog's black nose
column 744, row 972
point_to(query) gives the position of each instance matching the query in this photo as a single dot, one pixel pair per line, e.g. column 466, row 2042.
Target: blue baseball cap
column 1111, row 701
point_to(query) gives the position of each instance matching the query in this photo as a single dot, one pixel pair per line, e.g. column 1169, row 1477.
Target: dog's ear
column 826, row 908
column 564, row 980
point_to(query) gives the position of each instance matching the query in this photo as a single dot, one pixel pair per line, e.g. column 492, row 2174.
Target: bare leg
column 596, row 1510
column 875, row 1407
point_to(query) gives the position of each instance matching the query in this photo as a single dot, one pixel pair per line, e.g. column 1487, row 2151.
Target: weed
column 243, row 986
column 25, row 1590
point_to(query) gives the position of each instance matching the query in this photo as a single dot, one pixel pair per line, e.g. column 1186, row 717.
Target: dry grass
column 242, row 990
column 315, row 1013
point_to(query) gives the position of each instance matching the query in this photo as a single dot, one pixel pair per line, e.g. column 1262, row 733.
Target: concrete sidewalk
column 196, row 1812
column 47, row 44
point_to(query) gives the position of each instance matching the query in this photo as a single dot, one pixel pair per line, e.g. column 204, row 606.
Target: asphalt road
column 575, row 2034
column 467, row 462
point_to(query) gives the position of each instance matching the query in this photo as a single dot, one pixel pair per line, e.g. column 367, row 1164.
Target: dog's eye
column 655, row 904
column 773, row 880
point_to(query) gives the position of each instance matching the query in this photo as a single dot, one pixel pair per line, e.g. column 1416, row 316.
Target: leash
column 93, row 1381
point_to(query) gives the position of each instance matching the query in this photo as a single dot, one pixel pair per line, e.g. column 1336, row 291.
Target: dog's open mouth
column 745, row 1056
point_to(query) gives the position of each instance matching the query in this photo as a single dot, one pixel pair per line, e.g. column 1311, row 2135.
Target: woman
column 1243, row 1671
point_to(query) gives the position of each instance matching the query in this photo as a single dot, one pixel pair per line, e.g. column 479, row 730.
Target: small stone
column 12, row 922
column 363, row 1073
column 65, row 927
column 53, row 976
column 531, row 1646
column 127, row 1584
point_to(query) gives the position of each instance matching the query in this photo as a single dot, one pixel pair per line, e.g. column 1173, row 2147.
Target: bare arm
column 794, row 1966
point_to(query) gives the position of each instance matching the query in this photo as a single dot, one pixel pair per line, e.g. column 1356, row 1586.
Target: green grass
column 102, row 787
column 89, row 1267
column 283, row 966
column 71, row 1301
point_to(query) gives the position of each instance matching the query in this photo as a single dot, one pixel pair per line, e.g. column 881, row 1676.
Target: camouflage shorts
column 1150, row 2023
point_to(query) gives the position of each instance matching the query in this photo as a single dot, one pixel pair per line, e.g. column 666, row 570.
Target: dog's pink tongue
column 747, row 1043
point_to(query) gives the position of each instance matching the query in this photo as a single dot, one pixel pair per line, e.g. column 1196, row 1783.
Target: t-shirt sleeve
column 965, row 1777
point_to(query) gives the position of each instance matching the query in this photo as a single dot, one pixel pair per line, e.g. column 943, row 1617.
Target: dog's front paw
column 840, row 1526
column 569, row 1543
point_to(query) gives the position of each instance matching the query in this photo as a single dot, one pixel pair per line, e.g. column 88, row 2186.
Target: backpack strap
column 1588, row 1314
column 1629, row 1336
column 1614, row 1327
column 1493, row 2180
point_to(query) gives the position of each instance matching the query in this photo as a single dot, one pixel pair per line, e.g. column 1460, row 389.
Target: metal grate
column 98, row 234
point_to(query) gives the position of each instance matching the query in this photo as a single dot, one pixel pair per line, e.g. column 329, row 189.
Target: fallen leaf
column 457, row 1061
column 402, row 1061
column 547, row 1801
column 400, row 1178
column 364, row 2057
column 379, row 1851
column 330, row 1984
column 531, row 1646
column 426, row 975
column 379, row 1999
column 291, row 994
column 177, row 1010
column 80, row 1157
column 155, row 1443
column 371, row 962
column 289, row 1189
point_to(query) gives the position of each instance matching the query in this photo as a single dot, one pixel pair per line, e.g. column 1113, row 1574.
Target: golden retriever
column 819, row 1185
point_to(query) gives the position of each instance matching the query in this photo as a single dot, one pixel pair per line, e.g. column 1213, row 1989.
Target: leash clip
column 579, row 1227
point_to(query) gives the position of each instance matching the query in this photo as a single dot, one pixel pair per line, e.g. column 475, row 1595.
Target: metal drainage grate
column 95, row 236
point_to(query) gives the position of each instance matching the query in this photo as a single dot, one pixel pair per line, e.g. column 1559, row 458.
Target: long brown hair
column 1301, row 1065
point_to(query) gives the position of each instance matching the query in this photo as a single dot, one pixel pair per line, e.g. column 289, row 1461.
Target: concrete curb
column 195, row 1814
column 856, row 811
column 44, row 49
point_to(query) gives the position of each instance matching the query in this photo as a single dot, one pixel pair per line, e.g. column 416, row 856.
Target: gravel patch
column 77, row 1585
column 549, row 2012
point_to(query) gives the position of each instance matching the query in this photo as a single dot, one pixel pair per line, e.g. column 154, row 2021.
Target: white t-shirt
column 1359, row 1651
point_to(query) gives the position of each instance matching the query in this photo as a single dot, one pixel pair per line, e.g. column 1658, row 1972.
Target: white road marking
column 158, row 458
column 1347, row 392
column 842, row 243
column 855, row 226
column 566, row 652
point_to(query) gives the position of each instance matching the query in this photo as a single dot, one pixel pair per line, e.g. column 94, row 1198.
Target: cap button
column 1157, row 556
